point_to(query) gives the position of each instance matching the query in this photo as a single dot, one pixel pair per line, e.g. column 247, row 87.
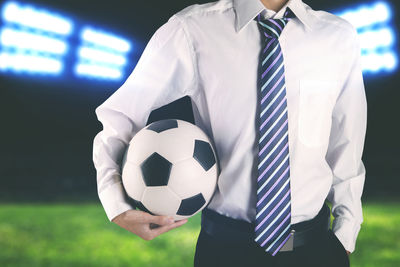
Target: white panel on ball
column 175, row 145
column 192, row 132
column 161, row 200
column 188, row 178
column 142, row 146
column 133, row 181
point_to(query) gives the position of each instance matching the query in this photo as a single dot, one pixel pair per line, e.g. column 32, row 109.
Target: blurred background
column 61, row 59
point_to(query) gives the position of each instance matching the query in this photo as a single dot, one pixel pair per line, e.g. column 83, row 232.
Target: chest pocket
column 317, row 99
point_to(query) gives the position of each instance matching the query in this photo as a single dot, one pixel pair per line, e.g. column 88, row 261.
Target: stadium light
column 371, row 40
column 30, row 41
column 29, row 63
column 97, row 71
column 40, row 19
column 367, row 14
column 101, row 55
column 34, row 40
column 375, row 62
column 376, row 35
column 96, row 55
column 105, row 40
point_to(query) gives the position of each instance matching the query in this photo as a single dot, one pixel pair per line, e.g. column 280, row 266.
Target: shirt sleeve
column 164, row 73
column 345, row 150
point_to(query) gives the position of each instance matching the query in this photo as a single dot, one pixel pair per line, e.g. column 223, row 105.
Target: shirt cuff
column 346, row 231
column 114, row 200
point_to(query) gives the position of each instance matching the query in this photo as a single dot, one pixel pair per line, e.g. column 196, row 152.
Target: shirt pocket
column 317, row 99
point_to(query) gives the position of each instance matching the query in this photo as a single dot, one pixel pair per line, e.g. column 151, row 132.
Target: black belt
column 233, row 230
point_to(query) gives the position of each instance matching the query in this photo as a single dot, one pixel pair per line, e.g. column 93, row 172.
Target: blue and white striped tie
column 273, row 210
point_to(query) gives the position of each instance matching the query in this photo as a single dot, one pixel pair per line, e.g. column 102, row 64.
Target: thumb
column 162, row 220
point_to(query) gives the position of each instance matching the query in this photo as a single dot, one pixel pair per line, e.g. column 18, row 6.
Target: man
column 278, row 87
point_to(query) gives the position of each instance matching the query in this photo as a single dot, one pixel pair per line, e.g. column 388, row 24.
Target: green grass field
column 80, row 235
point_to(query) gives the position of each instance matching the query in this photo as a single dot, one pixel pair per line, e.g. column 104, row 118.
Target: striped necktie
column 273, row 210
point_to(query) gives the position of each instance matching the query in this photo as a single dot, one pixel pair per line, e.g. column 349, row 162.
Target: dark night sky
column 48, row 124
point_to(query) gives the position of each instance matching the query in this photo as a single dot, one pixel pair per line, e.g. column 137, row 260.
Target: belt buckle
column 288, row 246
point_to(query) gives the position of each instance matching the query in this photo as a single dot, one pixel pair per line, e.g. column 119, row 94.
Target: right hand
column 142, row 223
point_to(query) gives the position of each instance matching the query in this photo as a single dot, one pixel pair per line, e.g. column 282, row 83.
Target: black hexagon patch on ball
column 156, row 170
column 191, row 204
column 203, row 154
column 163, row 125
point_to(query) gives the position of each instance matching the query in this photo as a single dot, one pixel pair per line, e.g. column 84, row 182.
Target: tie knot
column 272, row 28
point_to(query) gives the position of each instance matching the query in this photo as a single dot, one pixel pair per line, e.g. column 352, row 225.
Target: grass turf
column 80, row 235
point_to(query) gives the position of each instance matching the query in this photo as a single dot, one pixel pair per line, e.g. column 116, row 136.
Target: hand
column 145, row 225
column 348, row 252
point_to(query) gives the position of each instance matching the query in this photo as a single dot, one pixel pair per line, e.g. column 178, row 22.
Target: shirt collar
column 247, row 10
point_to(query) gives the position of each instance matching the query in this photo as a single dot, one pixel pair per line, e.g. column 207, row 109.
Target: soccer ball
column 170, row 168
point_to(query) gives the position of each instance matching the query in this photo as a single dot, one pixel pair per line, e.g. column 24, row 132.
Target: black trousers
column 325, row 251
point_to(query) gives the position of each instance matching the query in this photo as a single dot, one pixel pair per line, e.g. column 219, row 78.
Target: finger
column 162, row 229
column 147, row 218
column 165, row 228
column 161, row 220
column 154, row 225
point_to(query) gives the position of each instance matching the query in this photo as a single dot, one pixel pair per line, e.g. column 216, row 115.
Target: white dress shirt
column 210, row 52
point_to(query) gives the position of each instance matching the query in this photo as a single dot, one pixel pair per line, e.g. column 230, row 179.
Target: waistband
column 231, row 229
